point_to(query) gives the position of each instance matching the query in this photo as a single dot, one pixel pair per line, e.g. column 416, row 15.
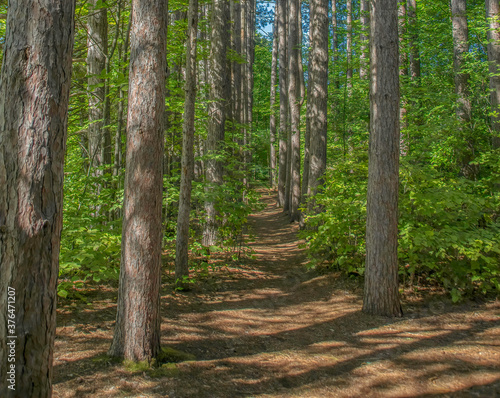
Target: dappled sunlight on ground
column 270, row 328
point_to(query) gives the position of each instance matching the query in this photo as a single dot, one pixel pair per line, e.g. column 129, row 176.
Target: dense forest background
column 449, row 176
column 375, row 124
column 448, row 173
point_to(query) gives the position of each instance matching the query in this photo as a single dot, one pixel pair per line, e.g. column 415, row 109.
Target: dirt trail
column 270, row 328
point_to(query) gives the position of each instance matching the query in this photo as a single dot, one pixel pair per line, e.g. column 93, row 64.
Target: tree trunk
column 493, row 15
column 309, row 115
column 137, row 331
column 272, row 100
column 34, row 95
column 97, row 51
column 414, row 47
column 364, row 11
column 318, row 95
column 187, row 161
column 294, row 99
column 381, row 296
column 218, row 78
column 335, row 44
column 403, row 67
column 283, row 86
column 349, row 44
column 460, row 48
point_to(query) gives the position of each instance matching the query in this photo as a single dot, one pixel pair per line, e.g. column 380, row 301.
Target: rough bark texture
column 493, row 15
column 414, row 48
column 137, row 331
column 34, row 95
column 381, row 295
column 364, row 11
column 272, row 100
column 460, row 48
column 187, row 161
column 97, row 51
column 318, row 94
column 218, row 79
column 283, row 85
column 294, row 99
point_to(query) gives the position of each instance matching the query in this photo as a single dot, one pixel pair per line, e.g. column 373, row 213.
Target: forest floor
column 268, row 327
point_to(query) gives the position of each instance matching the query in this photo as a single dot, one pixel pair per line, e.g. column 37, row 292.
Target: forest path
column 267, row 327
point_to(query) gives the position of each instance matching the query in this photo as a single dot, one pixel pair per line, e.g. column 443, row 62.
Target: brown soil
column 270, row 328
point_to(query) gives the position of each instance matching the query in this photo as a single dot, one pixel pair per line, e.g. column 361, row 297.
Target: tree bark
column 218, row 78
column 272, row 100
column 381, row 296
column 137, row 331
column 364, row 11
column 318, row 95
column 403, row 66
column 294, row 100
column 97, row 51
column 187, row 161
column 414, row 47
column 493, row 15
column 349, row 44
column 283, row 86
column 34, row 95
column 460, row 48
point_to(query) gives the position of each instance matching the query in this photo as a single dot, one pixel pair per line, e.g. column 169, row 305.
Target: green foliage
column 449, row 180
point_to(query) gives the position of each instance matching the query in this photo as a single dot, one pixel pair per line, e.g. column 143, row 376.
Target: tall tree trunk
column 460, row 48
column 309, row 115
column 493, row 15
column 381, row 296
column 335, row 44
column 137, row 331
column 403, row 65
column 218, row 78
column 349, row 44
column 244, row 88
column 364, row 11
column 272, row 100
column 414, row 47
column 294, row 99
column 236, row 66
column 318, row 95
column 97, row 51
column 283, row 86
column 33, row 124
column 121, row 106
column 187, row 160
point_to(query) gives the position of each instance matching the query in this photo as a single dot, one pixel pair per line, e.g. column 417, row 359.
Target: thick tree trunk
column 34, row 94
column 218, row 78
column 381, row 295
column 137, row 331
column 460, row 48
column 364, row 11
column 283, row 86
column 272, row 100
column 414, row 47
column 318, row 95
column 493, row 15
column 187, row 161
column 97, row 51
